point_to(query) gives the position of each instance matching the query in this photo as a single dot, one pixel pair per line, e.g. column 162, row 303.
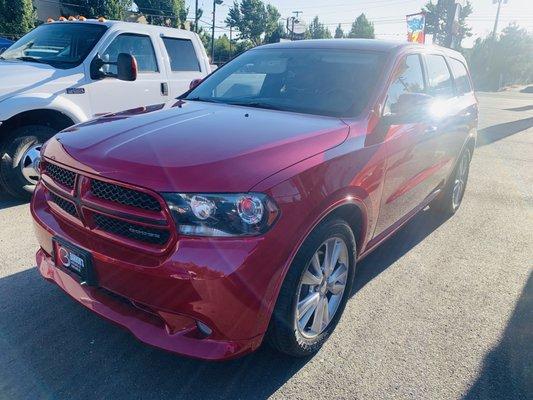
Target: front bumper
column 178, row 334
column 230, row 285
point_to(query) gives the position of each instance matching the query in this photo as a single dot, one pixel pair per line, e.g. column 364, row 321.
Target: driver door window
column 409, row 79
column 138, row 46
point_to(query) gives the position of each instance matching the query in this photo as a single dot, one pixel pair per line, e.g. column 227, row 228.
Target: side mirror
column 410, row 108
column 194, row 83
column 126, row 68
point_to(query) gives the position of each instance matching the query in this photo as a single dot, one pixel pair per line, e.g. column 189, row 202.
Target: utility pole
column 452, row 25
column 294, row 18
column 230, row 42
column 215, row 2
column 497, row 17
column 196, row 16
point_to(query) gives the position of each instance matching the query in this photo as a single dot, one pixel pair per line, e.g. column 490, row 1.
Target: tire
column 14, row 152
column 449, row 201
column 285, row 332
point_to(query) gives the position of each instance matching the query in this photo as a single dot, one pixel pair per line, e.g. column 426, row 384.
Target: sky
column 388, row 15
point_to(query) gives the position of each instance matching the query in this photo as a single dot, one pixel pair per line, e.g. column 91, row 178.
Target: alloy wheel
column 459, row 185
column 322, row 287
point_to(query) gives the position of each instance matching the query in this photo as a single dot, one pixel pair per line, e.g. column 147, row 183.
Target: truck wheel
column 20, row 157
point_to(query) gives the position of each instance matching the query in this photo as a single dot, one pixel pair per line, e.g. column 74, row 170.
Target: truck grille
column 122, row 195
column 61, row 175
column 157, row 226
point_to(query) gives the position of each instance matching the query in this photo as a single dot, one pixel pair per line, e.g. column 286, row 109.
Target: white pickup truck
column 66, row 72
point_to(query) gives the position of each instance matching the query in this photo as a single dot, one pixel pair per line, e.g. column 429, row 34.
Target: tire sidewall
column 300, row 345
column 13, row 148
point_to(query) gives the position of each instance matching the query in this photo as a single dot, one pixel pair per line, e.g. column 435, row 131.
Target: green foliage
column 253, row 20
column 362, row 28
column 506, row 61
column 164, row 12
column 17, row 17
column 437, row 21
column 317, row 30
column 339, row 33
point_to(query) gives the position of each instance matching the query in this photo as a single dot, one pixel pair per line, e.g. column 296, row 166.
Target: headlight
column 244, row 214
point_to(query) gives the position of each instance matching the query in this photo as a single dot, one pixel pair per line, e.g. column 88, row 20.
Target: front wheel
column 315, row 291
column 20, row 157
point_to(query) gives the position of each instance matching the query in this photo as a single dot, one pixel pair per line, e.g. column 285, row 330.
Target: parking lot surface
column 443, row 310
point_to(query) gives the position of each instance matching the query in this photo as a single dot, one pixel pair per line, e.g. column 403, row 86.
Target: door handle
column 164, row 88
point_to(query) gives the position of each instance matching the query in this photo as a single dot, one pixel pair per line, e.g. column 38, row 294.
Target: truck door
column 112, row 95
column 184, row 64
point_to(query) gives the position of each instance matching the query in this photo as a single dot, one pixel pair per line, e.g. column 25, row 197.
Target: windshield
column 62, row 45
column 326, row 82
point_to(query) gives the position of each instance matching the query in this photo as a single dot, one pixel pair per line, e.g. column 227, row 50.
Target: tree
column 17, row 17
column 164, row 12
column 339, row 33
column 504, row 61
column 362, row 28
column 110, row 9
column 437, row 21
column 317, row 30
column 253, row 20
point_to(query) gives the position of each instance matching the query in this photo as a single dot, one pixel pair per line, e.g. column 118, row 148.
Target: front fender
column 41, row 101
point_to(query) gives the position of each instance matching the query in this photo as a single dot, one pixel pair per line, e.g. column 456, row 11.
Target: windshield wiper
column 31, row 59
column 257, row 104
column 204, row 99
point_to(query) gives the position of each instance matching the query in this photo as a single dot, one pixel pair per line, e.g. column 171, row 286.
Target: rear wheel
column 315, row 291
column 450, row 200
column 20, row 157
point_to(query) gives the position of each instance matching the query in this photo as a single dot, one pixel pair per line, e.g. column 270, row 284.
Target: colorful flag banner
column 416, row 28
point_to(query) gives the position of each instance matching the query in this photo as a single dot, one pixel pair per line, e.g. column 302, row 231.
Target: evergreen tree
column 362, row 28
column 339, row 33
column 317, row 30
column 437, row 20
column 17, row 17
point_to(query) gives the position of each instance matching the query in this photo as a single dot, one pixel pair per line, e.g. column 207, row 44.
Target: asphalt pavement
column 443, row 310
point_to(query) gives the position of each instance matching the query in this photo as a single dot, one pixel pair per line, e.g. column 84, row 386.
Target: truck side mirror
column 126, row 68
column 410, row 108
column 194, row 83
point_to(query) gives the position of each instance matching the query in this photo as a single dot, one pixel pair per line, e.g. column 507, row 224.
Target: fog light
column 203, row 328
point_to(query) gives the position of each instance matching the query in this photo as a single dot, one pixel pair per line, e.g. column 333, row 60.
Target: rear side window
column 462, row 82
column 408, row 79
column 182, row 55
column 439, row 77
column 139, row 46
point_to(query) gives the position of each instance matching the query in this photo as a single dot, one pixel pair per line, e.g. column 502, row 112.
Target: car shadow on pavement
column 6, row 201
column 51, row 347
column 497, row 132
column 508, row 369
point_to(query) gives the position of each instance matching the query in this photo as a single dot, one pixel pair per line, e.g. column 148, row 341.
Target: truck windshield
column 62, row 45
column 328, row 82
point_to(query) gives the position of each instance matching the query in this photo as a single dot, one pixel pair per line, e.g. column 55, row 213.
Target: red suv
column 239, row 211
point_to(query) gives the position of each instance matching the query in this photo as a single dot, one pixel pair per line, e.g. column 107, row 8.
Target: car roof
column 130, row 25
column 387, row 46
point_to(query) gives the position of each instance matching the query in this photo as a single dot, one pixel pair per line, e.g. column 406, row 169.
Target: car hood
column 195, row 146
column 17, row 76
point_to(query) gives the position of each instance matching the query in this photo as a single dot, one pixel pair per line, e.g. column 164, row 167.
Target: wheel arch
column 48, row 117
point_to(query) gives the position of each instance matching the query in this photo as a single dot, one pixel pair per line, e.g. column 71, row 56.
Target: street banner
column 416, row 27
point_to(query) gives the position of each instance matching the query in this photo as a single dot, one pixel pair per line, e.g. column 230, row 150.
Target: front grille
column 65, row 205
column 122, row 195
column 60, row 175
column 132, row 231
